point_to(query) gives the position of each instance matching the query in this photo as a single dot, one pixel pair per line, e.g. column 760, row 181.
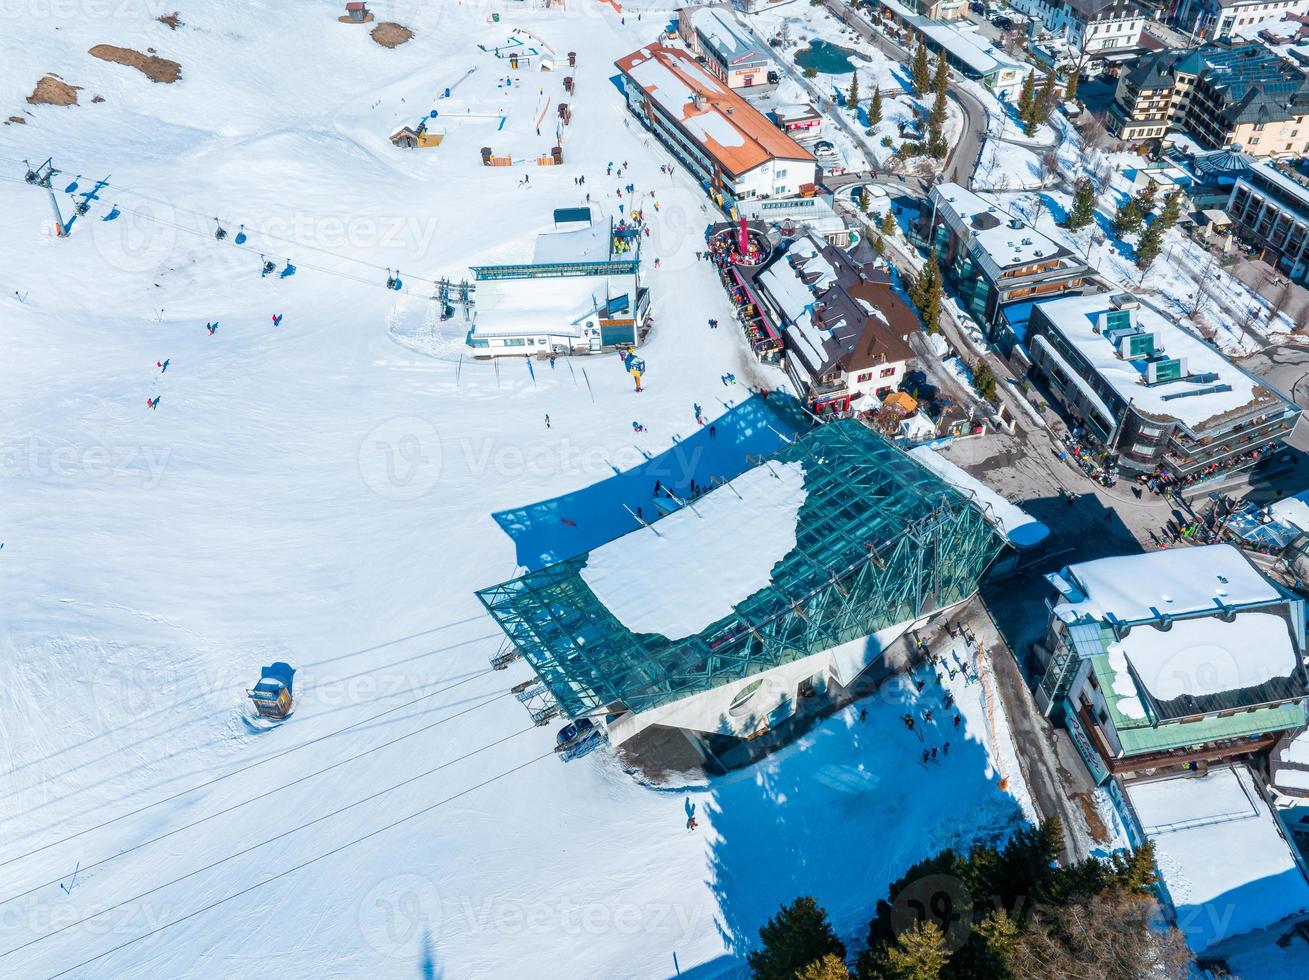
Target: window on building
column 887, row 372
column 515, row 342
column 864, row 376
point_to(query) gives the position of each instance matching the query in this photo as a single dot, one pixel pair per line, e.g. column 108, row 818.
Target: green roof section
column 1148, row 734
column 880, row 540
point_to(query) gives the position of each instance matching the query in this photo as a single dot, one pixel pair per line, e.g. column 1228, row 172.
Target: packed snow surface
column 315, row 492
column 1209, row 656
column 693, row 567
column 1223, row 859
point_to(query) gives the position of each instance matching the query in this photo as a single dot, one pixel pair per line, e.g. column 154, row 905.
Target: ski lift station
column 581, row 291
column 676, row 629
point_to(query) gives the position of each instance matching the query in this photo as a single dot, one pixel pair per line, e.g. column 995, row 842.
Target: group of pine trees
column 934, row 81
column 926, row 291
column 1026, row 918
column 1035, row 105
column 1133, row 214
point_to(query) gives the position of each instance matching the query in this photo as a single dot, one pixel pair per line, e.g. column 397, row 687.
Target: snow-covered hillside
column 321, row 492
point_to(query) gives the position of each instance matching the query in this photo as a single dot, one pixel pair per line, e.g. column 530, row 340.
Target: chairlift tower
column 42, row 176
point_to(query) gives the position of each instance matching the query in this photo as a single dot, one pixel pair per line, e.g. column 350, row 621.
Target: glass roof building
column 879, row 540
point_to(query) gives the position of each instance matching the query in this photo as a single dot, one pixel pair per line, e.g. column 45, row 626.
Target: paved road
column 963, row 155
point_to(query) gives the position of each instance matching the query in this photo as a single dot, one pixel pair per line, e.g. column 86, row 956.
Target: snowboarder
column 164, row 367
column 277, row 319
column 153, row 402
column 690, row 823
column 933, row 753
column 926, row 756
column 908, row 720
column 547, row 420
column 638, row 427
column 945, row 749
column 956, row 720
column 211, row 327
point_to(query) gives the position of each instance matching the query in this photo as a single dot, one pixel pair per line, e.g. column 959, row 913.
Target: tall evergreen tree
column 875, row 108
column 1127, row 218
column 799, row 934
column 1172, row 211
column 830, row 967
column 1083, row 212
column 926, row 295
column 1045, row 100
column 941, row 76
column 1027, row 104
column 920, row 72
column 919, row 953
column 1070, row 88
column 852, row 99
column 888, row 223
column 1147, row 249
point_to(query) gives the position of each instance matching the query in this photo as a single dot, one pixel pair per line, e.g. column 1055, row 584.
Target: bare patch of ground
column 173, row 20
column 53, row 90
column 391, row 35
column 16, row 120
column 1094, row 822
column 154, row 68
column 347, row 19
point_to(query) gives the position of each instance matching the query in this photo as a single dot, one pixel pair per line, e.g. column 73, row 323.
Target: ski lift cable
column 291, row 870
column 249, row 234
column 301, row 865
column 246, row 768
column 255, row 234
column 263, row 795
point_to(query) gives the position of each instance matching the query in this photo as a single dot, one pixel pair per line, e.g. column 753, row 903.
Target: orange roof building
column 720, row 137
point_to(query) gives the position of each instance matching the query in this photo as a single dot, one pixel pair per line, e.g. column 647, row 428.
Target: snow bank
column 700, row 561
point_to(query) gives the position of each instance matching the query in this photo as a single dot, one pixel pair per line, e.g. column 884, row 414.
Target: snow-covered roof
column 1221, row 854
column 589, row 244
column 968, row 47
column 1078, row 320
column 1020, row 528
column 694, row 571
column 1001, row 239
column 729, row 42
column 1292, row 510
column 725, row 125
column 1174, row 582
column 537, row 307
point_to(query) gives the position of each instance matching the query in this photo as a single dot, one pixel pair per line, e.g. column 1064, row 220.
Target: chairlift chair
column 240, row 235
column 272, row 697
column 71, row 188
column 220, row 232
column 267, row 267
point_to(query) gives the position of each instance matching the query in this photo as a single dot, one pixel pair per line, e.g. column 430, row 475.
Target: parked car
column 977, row 7
column 1002, row 23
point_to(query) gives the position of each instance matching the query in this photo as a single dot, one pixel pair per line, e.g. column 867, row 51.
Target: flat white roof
column 1292, row 510
column 1176, row 581
column 969, row 47
column 1004, row 245
column 1075, row 318
column 732, row 43
column 690, row 569
column 1223, row 859
column 589, row 244
column 537, row 307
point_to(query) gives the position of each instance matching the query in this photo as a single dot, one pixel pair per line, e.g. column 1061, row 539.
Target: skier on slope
column 277, row 319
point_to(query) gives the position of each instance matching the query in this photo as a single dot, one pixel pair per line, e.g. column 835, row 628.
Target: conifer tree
column 852, row 99
column 1083, row 212
column 830, row 967
column 799, row 934
column 919, row 953
column 875, row 108
column 1147, row 249
column 1172, row 211
column 888, row 222
column 920, row 72
column 1027, row 104
column 1045, row 101
column 941, row 76
column 1128, row 217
